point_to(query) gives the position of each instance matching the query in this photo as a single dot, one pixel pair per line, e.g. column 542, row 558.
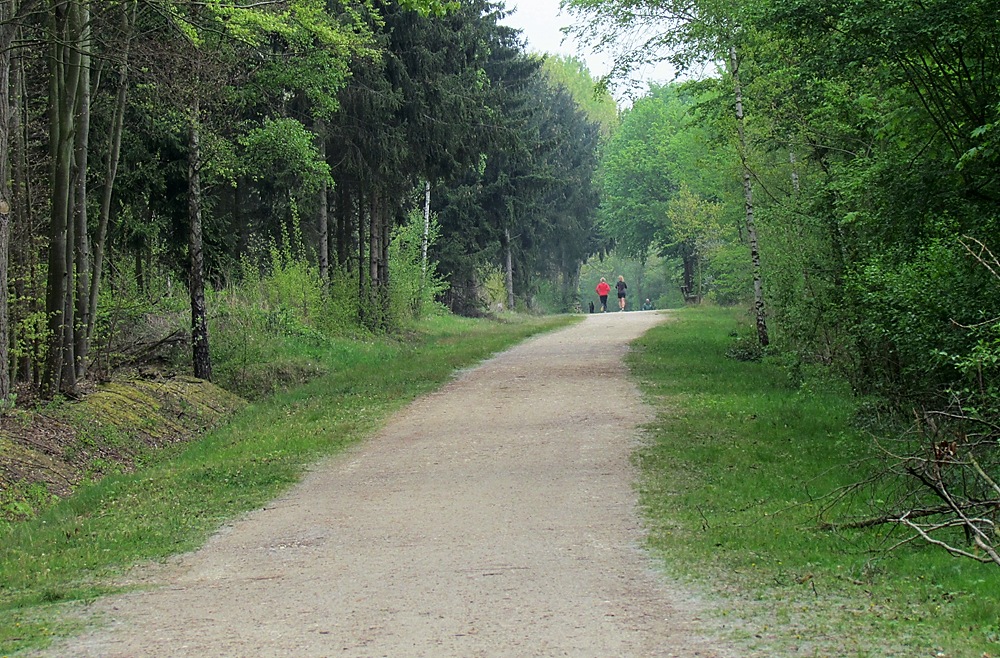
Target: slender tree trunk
column 12, row 168
column 81, row 234
column 63, row 79
column 374, row 232
column 7, row 32
column 374, row 254
column 362, row 263
column 201, row 357
column 239, row 218
column 508, row 269
column 24, row 260
column 795, row 170
column 385, row 235
column 110, row 170
column 344, row 247
column 323, row 226
column 323, row 217
column 139, row 270
column 701, row 278
column 690, row 287
column 758, row 287
column 427, row 232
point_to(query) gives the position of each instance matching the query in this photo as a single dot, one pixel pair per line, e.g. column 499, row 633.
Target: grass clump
column 736, row 476
column 79, row 548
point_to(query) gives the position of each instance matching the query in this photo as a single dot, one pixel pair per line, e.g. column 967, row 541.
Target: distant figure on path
column 647, row 305
column 621, row 292
column 602, row 291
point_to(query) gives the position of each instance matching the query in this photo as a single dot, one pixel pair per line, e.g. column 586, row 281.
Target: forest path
column 495, row 517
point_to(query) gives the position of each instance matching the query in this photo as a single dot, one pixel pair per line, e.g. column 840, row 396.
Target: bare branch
column 983, row 255
column 948, row 547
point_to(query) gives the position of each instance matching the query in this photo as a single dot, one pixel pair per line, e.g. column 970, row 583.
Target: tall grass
column 268, row 326
column 736, row 472
column 79, row 548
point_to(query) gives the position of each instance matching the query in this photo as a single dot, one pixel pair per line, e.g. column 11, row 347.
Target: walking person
column 621, row 292
column 602, row 291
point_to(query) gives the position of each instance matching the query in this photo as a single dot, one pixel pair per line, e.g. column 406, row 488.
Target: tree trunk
column 385, row 236
column 690, row 288
column 758, row 287
column 7, row 31
column 201, row 357
column 795, row 170
column 81, row 236
column 344, row 236
column 427, row 233
column 323, row 215
column 376, row 269
column 242, row 221
column 110, row 172
column 374, row 232
column 24, row 262
column 63, row 79
column 362, row 268
column 508, row 269
column 323, row 226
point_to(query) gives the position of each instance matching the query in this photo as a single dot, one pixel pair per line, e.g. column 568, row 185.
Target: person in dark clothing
column 621, row 292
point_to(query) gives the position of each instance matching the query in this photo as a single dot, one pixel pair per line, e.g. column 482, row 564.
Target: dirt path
column 495, row 517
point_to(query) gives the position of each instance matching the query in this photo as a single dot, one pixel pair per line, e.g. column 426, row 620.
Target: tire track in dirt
column 495, row 517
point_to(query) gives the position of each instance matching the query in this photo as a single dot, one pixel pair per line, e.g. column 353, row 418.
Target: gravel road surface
column 495, row 517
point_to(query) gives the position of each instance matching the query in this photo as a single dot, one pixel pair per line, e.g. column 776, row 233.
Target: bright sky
column 540, row 22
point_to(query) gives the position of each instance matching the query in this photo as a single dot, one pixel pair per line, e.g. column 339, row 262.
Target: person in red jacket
column 602, row 291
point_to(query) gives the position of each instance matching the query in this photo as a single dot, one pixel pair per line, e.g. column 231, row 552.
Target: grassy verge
column 79, row 549
column 734, row 474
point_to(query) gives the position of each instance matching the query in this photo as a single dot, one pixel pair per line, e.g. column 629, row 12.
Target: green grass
column 735, row 472
column 79, row 549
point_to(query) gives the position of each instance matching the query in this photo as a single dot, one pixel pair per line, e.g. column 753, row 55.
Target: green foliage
column 654, row 277
column 286, row 150
column 979, row 387
column 140, row 321
column 738, row 474
column 572, row 74
column 30, row 334
column 415, row 283
column 435, row 7
column 21, row 501
column 533, row 184
column 727, row 275
column 260, row 327
column 265, row 326
column 662, row 190
column 871, row 135
column 492, row 288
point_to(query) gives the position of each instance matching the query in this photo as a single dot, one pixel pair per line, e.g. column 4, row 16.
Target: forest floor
column 495, row 517
column 46, row 452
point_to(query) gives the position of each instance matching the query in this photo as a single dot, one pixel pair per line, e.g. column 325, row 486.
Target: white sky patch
column 540, row 22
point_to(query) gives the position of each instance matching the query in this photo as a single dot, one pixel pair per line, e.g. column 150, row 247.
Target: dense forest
column 838, row 163
column 346, row 166
column 390, row 153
